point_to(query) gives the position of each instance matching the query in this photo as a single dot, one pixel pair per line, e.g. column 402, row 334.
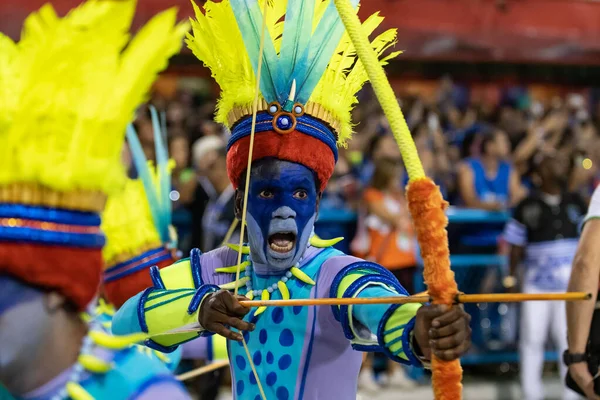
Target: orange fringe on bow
column 427, row 207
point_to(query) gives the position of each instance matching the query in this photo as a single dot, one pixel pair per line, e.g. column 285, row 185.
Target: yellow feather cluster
column 69, row 88
column 346, row 75
column 217, row 42
column 128, row 225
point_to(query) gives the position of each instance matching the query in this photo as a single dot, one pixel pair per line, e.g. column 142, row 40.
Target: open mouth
column 282, row 242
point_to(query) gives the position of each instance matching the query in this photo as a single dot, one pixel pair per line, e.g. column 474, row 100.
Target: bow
column 424, row 198
column 425, row 202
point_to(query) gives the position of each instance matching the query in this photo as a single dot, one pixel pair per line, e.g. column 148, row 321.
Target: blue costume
column 307, row 91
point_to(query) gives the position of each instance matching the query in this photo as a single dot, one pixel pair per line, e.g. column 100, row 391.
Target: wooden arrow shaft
column 461, row 298
column 203, row 370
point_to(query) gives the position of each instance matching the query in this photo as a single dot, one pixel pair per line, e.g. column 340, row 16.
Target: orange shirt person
column 385, row 233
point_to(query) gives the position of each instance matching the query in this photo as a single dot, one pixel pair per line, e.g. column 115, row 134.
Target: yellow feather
column 216, row 40
column 128, row 225
column 8, row 80
column 77, row 88
column 250, row 295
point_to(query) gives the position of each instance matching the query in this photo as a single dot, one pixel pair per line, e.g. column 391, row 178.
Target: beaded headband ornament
column 68, row 89
column 309, row 78
column 137, row 222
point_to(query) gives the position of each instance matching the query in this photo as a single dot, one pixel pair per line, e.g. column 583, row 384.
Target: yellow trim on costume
column 116, row 342
column 264, row 296
column 163, row 318
column 323, row 243
column 161, row 296
column 401, row 316
column 302, row 276
column 219, row 347
column 94, row 364
column 347, row 281
column 77, row 392
column 178, row 275
column 233, row 269
column 250, row 295
column 235, row 284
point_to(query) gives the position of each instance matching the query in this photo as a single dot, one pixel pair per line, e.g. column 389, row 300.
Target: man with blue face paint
column 62, row 132
column 282, row 209
column 308, row 84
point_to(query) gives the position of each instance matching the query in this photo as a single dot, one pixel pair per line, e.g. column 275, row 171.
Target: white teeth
column 282, row 249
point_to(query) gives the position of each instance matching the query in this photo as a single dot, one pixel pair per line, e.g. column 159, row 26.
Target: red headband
column 294, row 147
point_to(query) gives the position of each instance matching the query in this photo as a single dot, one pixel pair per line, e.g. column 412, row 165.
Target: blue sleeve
column 126, row 321
column 371, row 315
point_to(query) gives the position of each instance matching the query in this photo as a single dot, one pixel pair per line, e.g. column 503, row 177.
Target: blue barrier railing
column 470, row 269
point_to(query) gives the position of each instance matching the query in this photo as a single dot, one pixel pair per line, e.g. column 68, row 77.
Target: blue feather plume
column 161, row 211
column 164, row 177
column 318, row 54
column 249, row 18
column 297, row 32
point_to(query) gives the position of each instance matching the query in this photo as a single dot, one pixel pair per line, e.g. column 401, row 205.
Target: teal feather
column 297, row 31
column 141, row 165
column 249, row 18
column 323, row 45
column 164, row 177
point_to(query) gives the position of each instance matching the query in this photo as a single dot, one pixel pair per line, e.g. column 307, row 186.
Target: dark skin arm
column 440, row 330
column 443, row 331
column 516, row 256
column 221, row 311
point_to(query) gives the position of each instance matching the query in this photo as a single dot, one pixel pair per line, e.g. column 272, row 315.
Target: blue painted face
column 282, row 208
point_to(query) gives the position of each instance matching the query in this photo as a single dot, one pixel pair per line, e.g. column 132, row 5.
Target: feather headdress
column 309, row 77
column 68, row 89
column 137, row 222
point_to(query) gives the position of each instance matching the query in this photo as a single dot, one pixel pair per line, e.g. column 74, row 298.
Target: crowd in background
column 483, row 155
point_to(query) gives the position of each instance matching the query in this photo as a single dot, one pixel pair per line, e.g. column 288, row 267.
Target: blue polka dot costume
column 310, row 76
column 298, row 352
